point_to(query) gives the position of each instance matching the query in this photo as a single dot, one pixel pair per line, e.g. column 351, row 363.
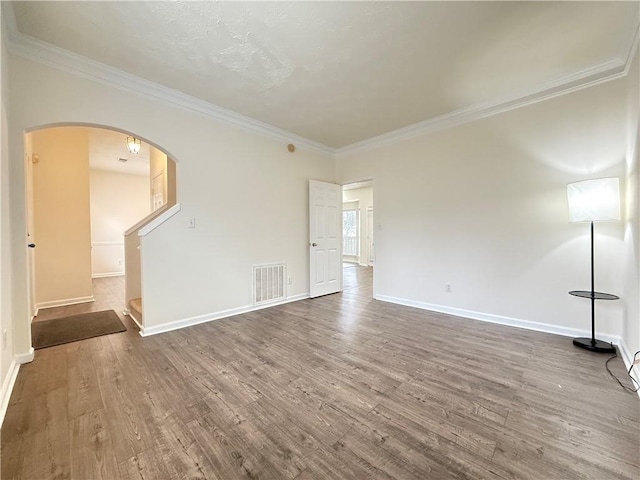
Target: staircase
column 135, row 310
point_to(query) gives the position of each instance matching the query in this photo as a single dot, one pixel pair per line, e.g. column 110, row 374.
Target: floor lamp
column 594, row 201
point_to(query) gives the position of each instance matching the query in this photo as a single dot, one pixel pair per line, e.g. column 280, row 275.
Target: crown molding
column 571, row 83
column 47, row 54
column 610, row 70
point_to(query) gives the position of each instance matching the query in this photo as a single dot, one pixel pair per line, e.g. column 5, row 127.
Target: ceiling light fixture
column 133, row 144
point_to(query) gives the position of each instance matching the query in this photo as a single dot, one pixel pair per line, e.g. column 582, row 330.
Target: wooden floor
column 338, row 387
column 108, row 293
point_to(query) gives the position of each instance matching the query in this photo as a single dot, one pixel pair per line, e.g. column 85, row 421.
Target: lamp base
column 594, row 345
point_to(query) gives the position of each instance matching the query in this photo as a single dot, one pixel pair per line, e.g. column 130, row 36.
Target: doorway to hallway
column 358, row 243
column 108, row 293
column 358, row 238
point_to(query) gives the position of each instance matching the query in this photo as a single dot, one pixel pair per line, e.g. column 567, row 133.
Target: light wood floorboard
column 337, row 387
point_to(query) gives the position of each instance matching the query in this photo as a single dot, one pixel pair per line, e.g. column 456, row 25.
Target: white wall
column 158, row 178
column 364, row 197
column 249, row 199
column 631, row 271
column 6, row 355
column 118, row 201
column 247, row 193
column 61, row 216
column 483, row 207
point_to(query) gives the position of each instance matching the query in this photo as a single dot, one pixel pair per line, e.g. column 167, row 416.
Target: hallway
column 108, row 293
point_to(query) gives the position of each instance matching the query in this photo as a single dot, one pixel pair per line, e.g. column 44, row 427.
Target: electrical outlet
column 120, row 262
column 288, row 280
column 447, row 287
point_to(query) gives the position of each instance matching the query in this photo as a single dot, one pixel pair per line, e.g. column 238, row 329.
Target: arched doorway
column 85, row 188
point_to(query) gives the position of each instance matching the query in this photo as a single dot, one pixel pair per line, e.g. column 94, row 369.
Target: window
column 350, row 229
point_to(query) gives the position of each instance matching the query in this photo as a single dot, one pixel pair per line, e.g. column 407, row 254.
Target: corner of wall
column 631, row 322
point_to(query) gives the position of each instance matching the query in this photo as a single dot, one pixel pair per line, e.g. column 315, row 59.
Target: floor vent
column 269, row 283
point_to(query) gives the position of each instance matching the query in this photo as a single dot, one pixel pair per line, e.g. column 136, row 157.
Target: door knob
column 31, row 245
column 314, row 244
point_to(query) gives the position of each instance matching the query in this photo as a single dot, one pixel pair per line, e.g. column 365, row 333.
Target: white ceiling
column 106, row 147
column 341, row 72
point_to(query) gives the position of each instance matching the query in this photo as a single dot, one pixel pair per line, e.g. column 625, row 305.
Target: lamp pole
column 593, row 294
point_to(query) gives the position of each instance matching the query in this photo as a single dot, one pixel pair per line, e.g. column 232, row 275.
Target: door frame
column 364, row 183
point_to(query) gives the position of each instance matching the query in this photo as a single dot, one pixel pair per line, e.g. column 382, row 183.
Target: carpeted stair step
column 135, row 308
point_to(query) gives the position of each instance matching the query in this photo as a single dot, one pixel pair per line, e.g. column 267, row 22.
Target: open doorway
column 86, row 186
column 358, row 240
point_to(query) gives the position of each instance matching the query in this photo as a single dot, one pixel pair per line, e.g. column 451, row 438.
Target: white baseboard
column 7, row 388
column 188, row 322
column 137, row 321
column 624, row 353
column 108, row 274
column 509, row 321
column 27, row 357
column 10, row 380
column 64, row 302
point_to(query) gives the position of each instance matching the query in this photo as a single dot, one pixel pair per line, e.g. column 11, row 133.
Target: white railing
column 350, row 246
column 132, row 263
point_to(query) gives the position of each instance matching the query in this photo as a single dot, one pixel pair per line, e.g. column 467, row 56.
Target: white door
column 325, row 238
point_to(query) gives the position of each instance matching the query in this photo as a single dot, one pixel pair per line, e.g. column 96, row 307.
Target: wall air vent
column 269, row 283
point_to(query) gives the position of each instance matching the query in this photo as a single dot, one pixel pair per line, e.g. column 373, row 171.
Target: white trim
column 107, row 274
column 188, row 322
column 47, row 54
column 605, row 72
column 159, row 220
column 108, row 243
column 627, row 358
column 499, row 319
column 27, row 357
column 7, row 388
column 147, row 219
column 64, row 302
column 128, row 312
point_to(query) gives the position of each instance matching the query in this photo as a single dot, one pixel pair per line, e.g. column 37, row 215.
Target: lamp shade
column 594, row 200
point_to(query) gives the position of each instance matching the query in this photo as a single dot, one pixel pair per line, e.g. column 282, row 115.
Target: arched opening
column 87, row 194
